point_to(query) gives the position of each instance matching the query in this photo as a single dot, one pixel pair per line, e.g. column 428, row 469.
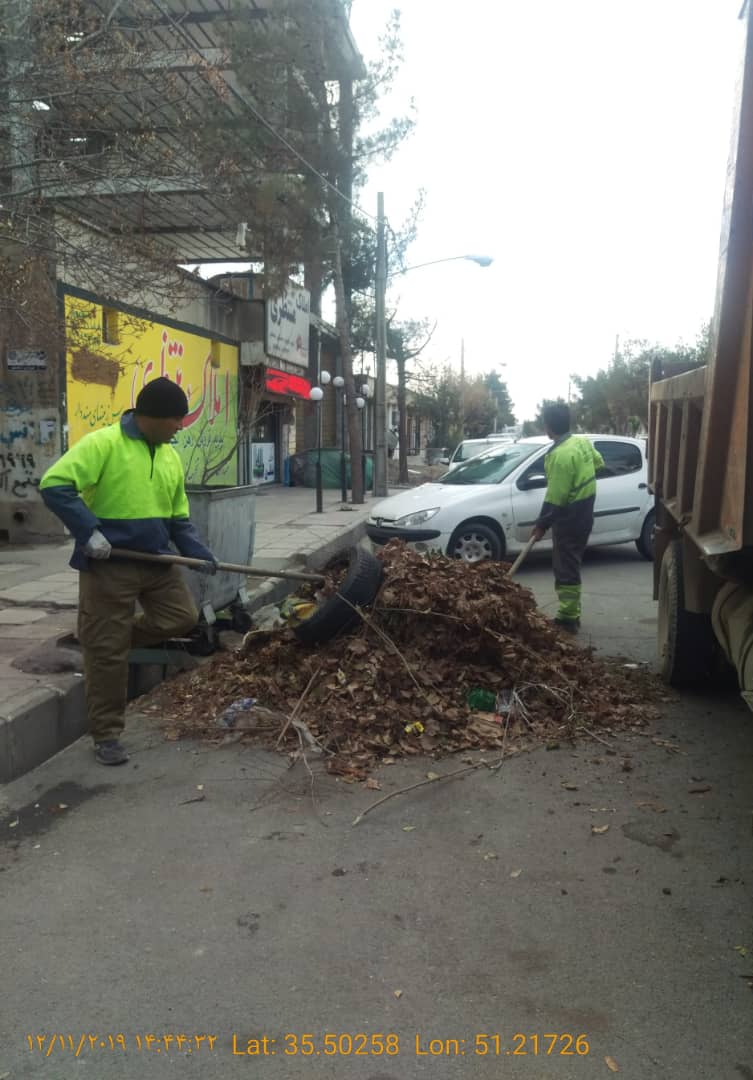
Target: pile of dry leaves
column 399, row 683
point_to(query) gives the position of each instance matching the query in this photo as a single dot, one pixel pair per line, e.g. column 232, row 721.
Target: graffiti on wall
column 28, row 440
column 104, row 380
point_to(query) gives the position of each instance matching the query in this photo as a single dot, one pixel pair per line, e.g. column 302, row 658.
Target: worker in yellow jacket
column 123, row 486
column 568, row 509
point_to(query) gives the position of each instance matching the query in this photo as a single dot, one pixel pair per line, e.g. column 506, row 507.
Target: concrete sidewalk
column 42, row 710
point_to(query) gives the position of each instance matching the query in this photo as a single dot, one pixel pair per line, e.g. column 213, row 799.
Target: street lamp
column 480, row 260
column 339, row 382
column 316, row 394
column 380, row 292
column 361, row 406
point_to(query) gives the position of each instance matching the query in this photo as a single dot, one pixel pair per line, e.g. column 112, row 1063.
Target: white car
column 485, row 508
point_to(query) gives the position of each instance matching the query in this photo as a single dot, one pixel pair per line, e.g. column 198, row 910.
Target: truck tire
column 360, row 586
column 686, row 644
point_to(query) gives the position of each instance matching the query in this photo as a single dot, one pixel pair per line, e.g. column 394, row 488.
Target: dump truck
column 701, row 453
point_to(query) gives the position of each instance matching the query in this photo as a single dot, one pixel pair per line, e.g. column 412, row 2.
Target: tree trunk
column 402, row 430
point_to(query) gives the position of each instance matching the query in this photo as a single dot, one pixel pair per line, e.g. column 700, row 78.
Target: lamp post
column 316, row 394
column 380, row 294
column 361, row 406
column 339, row 382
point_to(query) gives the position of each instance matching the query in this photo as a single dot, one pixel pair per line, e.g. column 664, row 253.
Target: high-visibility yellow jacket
column 570, row 466
column 134, row 493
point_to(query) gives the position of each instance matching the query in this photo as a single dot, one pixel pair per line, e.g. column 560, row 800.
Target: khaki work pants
column 108, row 628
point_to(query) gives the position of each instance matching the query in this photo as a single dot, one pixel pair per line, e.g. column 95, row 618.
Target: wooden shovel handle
column 230, row 568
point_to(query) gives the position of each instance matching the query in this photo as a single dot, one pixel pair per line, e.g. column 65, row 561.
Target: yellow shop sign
column 112, row 354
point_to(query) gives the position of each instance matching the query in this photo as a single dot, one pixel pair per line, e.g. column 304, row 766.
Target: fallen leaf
column 611, row 1064
column 741, row 949
column 597, row 830
column 408, row 828
column 489, row 855
column 516, row 873
column 12, row 824
column 398, row 993
column 699, row 789
column 373, row 785
column 199, row 787
column 655, row 806
column 432, row 776
column 568, row 786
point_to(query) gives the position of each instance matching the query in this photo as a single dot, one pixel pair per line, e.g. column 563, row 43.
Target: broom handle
column 521, row 558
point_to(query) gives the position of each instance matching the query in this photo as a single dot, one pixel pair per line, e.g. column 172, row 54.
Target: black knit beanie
column 162, row 398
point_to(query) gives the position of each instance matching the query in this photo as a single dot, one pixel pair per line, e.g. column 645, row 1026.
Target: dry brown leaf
column 597, row 830
column 516, row 873
column 398, row 993
column 373, row 784
column 611, row 1064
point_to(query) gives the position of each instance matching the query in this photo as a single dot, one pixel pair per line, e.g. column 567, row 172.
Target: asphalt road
column 486, row 906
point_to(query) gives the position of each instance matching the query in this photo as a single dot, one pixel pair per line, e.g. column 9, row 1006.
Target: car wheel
column 474, row 543
column 333, row 615
column 645, row 542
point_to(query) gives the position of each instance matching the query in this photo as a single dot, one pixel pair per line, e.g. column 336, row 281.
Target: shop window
column 110, row 326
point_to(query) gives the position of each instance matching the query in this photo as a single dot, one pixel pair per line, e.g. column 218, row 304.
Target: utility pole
column 462, row 389
column 380, row 401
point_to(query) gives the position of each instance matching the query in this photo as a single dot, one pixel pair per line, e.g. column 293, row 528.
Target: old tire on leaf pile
column 686, row 643
column 334, row 615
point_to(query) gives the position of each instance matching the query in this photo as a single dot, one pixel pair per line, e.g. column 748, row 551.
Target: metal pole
column 380, row 400
column 319, row 492
column 462, row 388
column 343, row 474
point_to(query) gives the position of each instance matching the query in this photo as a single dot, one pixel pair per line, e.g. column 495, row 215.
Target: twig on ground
column 298, row 704
column 594, row 736
column 422, row 783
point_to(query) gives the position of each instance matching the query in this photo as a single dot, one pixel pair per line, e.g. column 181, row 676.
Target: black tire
column 473, row 542
column 686, row 644
column 645, row 542
column 360, row 586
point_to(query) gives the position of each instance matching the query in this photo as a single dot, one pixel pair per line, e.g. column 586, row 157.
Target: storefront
column 271, row 436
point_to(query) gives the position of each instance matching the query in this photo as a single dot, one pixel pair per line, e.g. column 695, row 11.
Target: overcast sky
column 582, row 144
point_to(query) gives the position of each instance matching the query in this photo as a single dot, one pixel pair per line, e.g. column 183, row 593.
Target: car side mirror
column 530, row 483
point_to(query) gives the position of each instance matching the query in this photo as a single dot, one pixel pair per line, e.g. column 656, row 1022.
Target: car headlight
column 417, row 518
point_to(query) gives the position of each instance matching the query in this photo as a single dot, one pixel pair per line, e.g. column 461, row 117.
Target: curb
column 37, row 723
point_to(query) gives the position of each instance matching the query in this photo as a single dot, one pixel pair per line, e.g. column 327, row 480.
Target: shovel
column 230, row 568
column 521, row 558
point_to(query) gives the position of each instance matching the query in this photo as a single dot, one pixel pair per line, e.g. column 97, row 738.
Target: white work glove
column 97, row 546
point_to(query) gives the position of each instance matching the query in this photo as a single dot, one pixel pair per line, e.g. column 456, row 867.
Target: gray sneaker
column 110, row 752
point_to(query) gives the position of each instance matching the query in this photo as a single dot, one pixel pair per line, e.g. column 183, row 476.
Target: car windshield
column 469, row 449
column 490, row 467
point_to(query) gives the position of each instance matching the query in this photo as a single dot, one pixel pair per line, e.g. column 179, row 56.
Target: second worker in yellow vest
column 568, row 509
